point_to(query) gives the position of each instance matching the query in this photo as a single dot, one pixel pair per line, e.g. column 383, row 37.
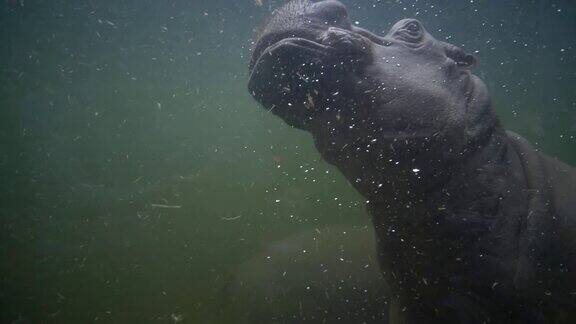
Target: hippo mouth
column 285, row 53
column 287, row 74
column 333, row 42
column 293, row 41
column 290, row 72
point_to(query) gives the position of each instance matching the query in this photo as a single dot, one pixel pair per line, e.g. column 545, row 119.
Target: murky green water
column 137, row 173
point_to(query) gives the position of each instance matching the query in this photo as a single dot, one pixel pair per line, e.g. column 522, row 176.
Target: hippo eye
column 411, row 32
column 413, row 27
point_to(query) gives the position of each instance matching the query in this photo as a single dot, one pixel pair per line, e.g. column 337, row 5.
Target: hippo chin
column 472, row 224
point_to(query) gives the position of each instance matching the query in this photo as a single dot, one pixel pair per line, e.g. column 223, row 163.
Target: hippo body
column 472, row 224
column 326, row 275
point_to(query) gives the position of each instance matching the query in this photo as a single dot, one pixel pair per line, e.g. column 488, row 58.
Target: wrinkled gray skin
column 473, row 225
column 327, row 275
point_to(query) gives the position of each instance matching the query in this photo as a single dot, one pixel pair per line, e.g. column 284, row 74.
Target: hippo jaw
column 300, row 53
column 278, row 71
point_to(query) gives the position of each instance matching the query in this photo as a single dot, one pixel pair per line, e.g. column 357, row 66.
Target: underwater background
column 137, row 173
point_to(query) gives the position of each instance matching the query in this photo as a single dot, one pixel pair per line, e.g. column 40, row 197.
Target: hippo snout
column 332, row 13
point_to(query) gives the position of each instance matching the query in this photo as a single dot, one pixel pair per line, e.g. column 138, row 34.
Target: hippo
column 472, row 224
column 322, row 275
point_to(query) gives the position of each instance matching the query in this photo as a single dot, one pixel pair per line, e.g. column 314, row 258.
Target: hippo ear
column 461, row 58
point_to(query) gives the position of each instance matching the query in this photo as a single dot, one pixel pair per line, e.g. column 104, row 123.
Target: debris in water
column 230, row 218
column 259, row 3
column 309, row 104
column 177, row 317
column 165, row 206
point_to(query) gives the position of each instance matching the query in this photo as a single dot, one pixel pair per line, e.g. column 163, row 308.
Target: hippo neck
column 479, row 208
column 476, row 185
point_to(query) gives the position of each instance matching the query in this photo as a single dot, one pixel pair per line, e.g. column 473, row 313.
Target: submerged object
column 326, row 275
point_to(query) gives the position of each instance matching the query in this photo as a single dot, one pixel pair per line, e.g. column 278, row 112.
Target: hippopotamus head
column 405, row 103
